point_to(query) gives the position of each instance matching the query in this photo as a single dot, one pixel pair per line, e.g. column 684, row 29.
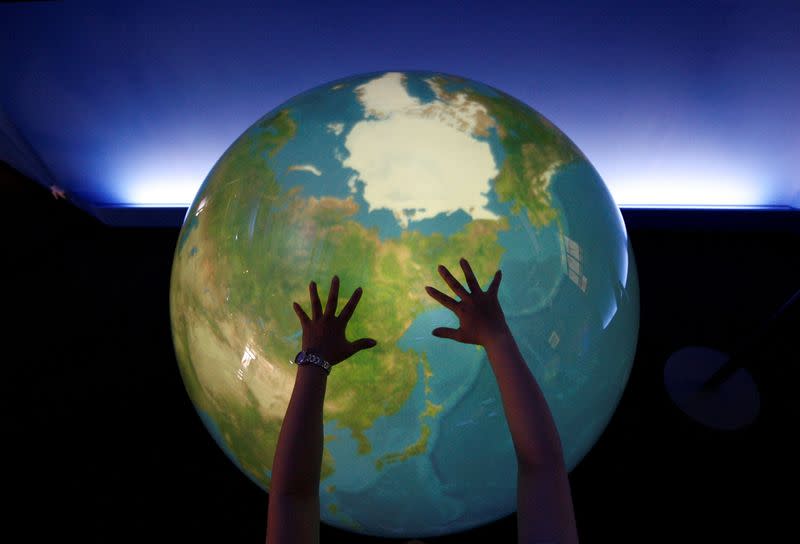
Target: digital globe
column 378, row 178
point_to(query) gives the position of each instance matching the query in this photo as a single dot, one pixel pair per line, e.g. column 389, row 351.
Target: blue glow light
column 676, row 106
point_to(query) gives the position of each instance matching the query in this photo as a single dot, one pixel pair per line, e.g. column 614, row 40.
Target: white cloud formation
column 335, row 128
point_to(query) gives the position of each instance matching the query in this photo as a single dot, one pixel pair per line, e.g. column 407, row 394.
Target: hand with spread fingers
column 479, row 313
column 324, row 331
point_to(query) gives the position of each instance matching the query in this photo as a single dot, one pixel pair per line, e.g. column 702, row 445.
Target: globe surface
column 379, row 178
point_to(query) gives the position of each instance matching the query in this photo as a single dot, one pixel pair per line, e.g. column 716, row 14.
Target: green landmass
column 249, row 435
column 431, row 411
column 534, row 149
column 417, row 448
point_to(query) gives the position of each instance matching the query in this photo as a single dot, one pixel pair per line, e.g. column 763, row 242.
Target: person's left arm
column 293, row 511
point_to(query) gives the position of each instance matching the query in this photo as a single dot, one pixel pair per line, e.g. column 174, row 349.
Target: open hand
column 324, row 332
column 479, row 313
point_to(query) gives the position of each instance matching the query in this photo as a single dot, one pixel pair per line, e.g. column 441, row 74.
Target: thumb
column 363, row 343
column 446, row 332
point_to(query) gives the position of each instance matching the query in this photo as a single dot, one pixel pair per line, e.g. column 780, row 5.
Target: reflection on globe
column 379, row 178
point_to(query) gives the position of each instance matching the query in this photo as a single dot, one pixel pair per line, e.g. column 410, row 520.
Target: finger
column 316, row 305
column 454, row 284
column 472, row 282
column 333, row 298
column 445, row 332
column 495, row 285
column 364, row 343
column 350, row 307
column 441, row 298
column 300, row 313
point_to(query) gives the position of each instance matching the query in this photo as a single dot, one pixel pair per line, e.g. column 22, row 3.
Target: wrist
column 314, row 357
column 499, row 339
column 311, row 372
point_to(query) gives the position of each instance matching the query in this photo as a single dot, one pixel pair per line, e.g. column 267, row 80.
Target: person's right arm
column 544, row 501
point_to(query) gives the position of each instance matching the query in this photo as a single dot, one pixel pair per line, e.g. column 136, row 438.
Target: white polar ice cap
column 419, row 160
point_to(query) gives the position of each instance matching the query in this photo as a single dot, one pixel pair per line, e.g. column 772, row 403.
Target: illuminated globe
column 379, row 178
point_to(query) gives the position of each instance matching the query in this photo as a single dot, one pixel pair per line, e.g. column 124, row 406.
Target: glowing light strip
column 153, row 205
column 156, row 181
column 702, row 207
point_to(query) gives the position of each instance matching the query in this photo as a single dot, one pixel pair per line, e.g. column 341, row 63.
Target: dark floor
column 103, row 444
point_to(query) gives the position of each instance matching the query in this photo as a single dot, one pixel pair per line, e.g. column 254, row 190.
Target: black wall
column 103, row 445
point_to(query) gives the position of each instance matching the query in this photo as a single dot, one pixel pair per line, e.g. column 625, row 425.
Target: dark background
column 103, row 444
